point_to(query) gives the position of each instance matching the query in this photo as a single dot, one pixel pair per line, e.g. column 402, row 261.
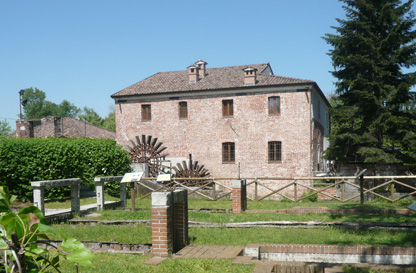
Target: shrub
column 36, row 159
column 312, row 198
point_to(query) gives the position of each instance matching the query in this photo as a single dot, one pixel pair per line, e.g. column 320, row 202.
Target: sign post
column 132, row 178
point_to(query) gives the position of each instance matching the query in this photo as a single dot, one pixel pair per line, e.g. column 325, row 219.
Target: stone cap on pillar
column 179, row 195
column 161, row 198
column 238, row 183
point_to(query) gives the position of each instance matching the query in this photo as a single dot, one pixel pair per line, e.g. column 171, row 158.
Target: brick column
column 239, row 195
column 180, row 219
column 162, row 223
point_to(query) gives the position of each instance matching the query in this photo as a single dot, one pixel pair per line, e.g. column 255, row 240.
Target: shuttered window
column 228, row 152
column 146, row 112
column 183, row 110
column 274, row 106
column 275, row 151
column 227, row 108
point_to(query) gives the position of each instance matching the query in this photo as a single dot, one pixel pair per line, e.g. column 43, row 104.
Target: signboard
column 412, row 206
column 132, row 177
column 163, row 178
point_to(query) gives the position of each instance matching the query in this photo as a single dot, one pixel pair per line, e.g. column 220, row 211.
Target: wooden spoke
column 145, row 150
column 192, row 169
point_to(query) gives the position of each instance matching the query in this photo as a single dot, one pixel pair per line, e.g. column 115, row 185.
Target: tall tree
column 38, row 107
column 67, row 109
column 35, row 106
column 373, row 52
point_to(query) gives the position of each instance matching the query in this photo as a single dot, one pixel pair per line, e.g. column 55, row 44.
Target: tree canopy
column 373, row 53
column 38, row 107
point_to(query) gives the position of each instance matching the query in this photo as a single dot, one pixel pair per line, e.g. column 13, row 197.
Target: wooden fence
column 300, row 187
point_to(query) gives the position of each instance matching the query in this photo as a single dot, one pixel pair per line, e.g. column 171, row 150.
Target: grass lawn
column 143, row 212
column 243, row 236
column 110, row 263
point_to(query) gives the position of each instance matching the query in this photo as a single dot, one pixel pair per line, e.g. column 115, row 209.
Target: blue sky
column 85, row 51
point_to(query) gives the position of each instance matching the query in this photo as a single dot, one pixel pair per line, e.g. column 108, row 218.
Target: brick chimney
column 193, row 73
column 250, row 76
column 202, row 68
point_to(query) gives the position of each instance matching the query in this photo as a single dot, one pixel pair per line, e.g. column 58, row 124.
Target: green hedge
column 23, row 160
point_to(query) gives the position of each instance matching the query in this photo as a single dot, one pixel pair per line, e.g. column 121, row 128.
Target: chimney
column 193, row 73
column 250, row 76
column 202, row 68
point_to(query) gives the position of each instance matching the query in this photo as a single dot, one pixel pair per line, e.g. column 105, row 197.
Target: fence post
column 255, row 190
column 392, row 191
column 342, row 190
column 295, row 190
column 214, row 191
column 362, row 189
column 133, row 196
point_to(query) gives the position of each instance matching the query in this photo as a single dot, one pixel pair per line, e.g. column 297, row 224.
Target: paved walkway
column 209, row 252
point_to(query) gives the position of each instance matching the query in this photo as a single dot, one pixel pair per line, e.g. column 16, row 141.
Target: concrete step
column 264, row 267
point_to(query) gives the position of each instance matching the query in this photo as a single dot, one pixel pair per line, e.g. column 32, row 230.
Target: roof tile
column 216, row 78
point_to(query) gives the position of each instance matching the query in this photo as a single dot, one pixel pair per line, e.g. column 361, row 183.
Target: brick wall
column 251, row 128
column 61, row 127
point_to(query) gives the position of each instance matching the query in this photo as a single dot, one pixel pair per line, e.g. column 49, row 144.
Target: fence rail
column 296, row 186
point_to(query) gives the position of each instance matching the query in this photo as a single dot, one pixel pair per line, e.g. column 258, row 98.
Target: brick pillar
column 162, row 223
column 239, row 195
column 180, row 219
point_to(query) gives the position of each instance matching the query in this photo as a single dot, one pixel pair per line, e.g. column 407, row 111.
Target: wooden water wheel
column 148, row 150
column 192, row 169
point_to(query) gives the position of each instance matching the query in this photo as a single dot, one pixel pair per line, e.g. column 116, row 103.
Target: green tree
column 109, row 122
column 67, row 109
column 38, row 107
column 90, row 116
column 5, row 128
column 35, row 106
column 372, row 50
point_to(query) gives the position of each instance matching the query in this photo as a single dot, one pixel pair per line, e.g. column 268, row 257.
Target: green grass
column 243, row 236
column 110, row 263
column 145, row 214
column 194, row 203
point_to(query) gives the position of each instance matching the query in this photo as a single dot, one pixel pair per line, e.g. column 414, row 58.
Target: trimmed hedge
column 23, row 160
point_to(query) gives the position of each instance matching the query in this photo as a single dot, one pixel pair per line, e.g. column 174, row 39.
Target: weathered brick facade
column 300, row 126
column 60, row 127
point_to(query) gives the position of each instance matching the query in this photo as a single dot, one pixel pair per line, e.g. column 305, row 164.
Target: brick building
column 60, row 127
column 237, row 120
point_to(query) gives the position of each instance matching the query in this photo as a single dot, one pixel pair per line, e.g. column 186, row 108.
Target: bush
column 23, row 160
column 312, row 198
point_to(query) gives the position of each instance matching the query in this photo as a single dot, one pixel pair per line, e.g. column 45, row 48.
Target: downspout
column 311, row 130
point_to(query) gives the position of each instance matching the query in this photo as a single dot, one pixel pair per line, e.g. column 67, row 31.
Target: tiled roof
column 216, row 78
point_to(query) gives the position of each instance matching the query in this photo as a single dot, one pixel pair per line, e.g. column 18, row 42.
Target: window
column 228, row 152
column 227, row 108
column 183, row 110
column 275, row 151
column 146, row 112
column 274, row 106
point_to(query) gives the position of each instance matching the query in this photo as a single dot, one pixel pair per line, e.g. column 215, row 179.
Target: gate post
column 162, row 223
column 169, row 222
column 180, row 219
column 239, row 195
